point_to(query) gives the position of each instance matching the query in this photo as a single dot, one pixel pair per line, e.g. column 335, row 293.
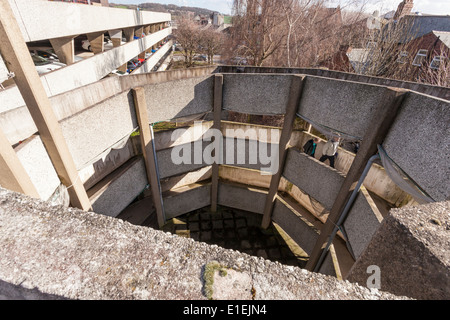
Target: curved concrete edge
column 53, row 252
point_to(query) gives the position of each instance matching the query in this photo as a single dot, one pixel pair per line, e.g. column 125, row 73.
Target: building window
column 402, row 57
column 420, row 57
column 436, row 62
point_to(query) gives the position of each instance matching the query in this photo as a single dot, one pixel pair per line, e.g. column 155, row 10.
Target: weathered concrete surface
column 342, row 105
column 362, row 221
column 241, row 197
column 50, row 252
column 186, row 199
column 256, row 94
column 315, row 178
column 98, row 128
column 419, row 142
column 180, row 98
column 411, row 250
column 116, row 191
column 436, row 91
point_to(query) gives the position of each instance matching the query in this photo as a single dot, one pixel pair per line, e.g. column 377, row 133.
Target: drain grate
column 237, row 230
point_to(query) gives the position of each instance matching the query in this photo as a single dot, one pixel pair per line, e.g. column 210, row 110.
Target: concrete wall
column 166, row 165
column 180, row 98
column 436, row 91
column 241, row 197
column 297, row 227
column 89, row 133
column 419, row 143
column 57, row 19
column 414, row 259
column 362, row 222
column 116, row 191
column 65, row 253
column 313, row 177
column 256, row 94
column 342, row 105
column 186, row 199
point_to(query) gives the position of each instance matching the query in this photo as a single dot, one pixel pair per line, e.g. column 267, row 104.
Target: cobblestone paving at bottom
column 237, row 230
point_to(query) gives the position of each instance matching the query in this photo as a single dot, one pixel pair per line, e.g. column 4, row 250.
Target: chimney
column 403, row 9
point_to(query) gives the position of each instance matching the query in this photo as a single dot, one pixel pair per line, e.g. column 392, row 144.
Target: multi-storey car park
column 87, row 180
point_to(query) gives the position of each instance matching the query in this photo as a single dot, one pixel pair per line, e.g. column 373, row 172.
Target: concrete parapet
column 186, row 199
column 242, row 197
column 116, row 191
column 66, row 253
column 410, row 250
column 179, row 98
column 256, row 94
column 96, row 129
column 297, row 227
column 186, row 153
column 313, row 177
column 362, row 221
column 419, row 140
column 342, row 105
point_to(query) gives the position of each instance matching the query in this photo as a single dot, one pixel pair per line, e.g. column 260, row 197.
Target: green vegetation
column 208, row 276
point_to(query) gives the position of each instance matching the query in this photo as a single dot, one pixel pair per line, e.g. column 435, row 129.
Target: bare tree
column 187, row 35
column 256, row 31
column 211, row 41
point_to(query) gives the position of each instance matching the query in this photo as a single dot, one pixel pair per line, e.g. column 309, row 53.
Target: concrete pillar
column 218, row 94
column 96, row 41
column 149, row 152
column 375, row 134
column 12, row 174
column 64, row 49
column 129, row 34
column 18, row 60
column 289, row 118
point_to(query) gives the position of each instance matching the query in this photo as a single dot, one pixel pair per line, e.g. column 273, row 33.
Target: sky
column 441, row 7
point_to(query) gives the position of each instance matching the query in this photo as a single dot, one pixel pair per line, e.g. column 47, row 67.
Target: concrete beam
column 18, row 60
column 291, row 109
column 149, row 152
column 97, row 42
column 64, row 49
column 218, row 97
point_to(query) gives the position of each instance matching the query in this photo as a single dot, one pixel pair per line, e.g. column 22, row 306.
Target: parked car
column 43, row 65
column 200, row 58
column 131, row 66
